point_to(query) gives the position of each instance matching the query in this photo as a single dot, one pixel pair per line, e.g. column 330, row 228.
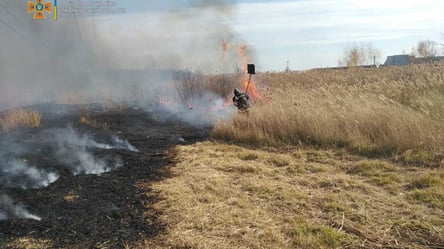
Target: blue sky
column 307, row 33
column 314, row 33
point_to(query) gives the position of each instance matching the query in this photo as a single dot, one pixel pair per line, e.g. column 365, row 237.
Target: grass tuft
column 424, row 182
column 30, row 243
column 306, row 235
column 20, row 118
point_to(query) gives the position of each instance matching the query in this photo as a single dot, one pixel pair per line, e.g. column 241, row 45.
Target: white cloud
column 337, row 20
column 306, row 26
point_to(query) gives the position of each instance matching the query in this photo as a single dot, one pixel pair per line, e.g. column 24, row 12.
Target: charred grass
column 227, row 196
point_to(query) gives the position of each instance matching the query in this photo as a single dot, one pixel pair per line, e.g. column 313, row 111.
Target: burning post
column 250, row 70
column 240, row 100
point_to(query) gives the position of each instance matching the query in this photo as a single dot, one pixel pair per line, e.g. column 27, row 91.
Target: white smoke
column 8, row 209
column 119, row 143
column 3, row 215
column 201, row 111
column 71, row 148
column 64, row 147
column 124, row 57
column 17, row 173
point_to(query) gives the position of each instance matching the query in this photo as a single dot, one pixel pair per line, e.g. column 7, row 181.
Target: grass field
column 227, row 196
column 370, row 111
column 331, row 159
column 328, row 159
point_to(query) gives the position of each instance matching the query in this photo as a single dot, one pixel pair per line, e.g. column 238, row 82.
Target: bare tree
column 360, row 54
column 425, row 49
column 442, row 44
column 189, row 86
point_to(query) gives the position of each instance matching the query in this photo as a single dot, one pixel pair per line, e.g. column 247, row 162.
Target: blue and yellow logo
column 40, row 7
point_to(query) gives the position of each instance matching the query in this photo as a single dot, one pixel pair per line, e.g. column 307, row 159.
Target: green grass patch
column 371, row 168
column 279, row 161
column 385, row 179
column 371, row 151
column 240, row 169
column 248, row 156
column 424, row 182
column 422, row 158
column 307, row 235
column 432, row 197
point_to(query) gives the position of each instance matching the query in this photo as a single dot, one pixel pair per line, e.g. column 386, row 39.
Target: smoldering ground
column 87, row 58
column 10, row 209
column 37, row 161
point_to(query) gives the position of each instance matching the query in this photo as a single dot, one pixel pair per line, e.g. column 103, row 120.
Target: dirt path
column 91, row 211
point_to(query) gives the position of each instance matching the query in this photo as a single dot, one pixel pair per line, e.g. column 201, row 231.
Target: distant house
column 399, row 60
column 405, row 59
column 429, row 60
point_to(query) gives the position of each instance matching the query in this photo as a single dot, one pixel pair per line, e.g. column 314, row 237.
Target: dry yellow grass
column 226, row 196
column 87, row 118
column 30, row 243
column 371, row 111
column 20, row 118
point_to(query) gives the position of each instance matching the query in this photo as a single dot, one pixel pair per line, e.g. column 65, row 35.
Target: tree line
column 365, row 54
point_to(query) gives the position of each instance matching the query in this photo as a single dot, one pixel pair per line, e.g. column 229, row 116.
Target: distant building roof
column 405, row 59
column 398, row 60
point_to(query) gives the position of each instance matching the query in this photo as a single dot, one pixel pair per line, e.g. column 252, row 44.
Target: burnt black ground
column 110, row 209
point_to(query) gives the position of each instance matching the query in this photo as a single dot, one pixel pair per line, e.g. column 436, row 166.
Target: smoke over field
column 50, row 159
column 84, row 58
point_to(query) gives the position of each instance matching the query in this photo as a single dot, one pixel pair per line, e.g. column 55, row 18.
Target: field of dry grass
column 331, row 159
column 328, row 159
column 227, row 196
column 370, row 111
column 20, row 118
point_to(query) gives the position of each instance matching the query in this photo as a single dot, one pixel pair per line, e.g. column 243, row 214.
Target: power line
column 12, row 28
column 11, row 14
column 78, row 27
column 15, row 31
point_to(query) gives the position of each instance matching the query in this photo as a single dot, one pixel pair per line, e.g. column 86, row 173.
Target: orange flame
column 162, row 101
column 227, row 102
column 225, row 47
column 252, row 90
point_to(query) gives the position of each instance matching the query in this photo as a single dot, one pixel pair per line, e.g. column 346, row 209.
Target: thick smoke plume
column 130, row 57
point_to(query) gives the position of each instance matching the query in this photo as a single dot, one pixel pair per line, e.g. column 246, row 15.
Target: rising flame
column 225, row 47
column 252, row 90
column 162, row 101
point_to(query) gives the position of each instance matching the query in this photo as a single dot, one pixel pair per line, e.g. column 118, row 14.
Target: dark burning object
column 251, row 69
column 240, row 100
